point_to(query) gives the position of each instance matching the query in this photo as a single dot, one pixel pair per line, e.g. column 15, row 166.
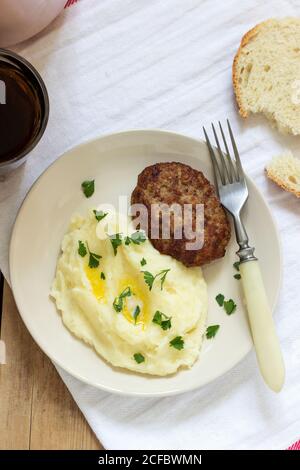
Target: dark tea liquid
column 20, row 115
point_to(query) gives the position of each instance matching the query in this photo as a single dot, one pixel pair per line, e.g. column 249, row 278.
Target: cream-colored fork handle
column 264, row 335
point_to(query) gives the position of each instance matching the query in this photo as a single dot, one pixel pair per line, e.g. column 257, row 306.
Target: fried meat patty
column 175, row 183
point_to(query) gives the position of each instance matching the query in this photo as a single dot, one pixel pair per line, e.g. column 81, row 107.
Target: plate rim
column 112, row 389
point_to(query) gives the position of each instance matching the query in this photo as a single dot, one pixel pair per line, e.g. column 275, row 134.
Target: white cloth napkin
column 127, row 64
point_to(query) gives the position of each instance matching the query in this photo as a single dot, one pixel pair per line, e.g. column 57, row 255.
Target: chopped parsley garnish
column 102, row 275
column 119, row 301
column 177, row 343
column 116, row 241
column 166, row 324
column 157, row 318
column 143, row 262
column 229, row 306
column 162, row 320
column 211, row 331
column 94, row 260
column 137, row 238
column 88, row 188
column 220, row 299
column 136, row 313
column 163, row 277
column 99, row 215
column 139, row 358
column 237, row 276
column 149, row 278
column 82, row 251
column 236, row 265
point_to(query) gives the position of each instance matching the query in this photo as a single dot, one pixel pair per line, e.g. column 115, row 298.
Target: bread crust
column 281, row 183
column 235, row 76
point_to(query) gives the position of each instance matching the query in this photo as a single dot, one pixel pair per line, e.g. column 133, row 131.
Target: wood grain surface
column 36, row 409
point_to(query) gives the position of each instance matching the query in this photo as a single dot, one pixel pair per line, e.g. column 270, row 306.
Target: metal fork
column 233, row 193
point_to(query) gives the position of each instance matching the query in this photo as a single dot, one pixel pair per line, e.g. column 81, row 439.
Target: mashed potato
column 112, row 308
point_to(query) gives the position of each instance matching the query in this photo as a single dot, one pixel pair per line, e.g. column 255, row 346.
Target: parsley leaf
column 211, row 331
column 81, row 249
column 158, row 320
column 166, row 324
column 137, row 238
column 149, row 278
column 116, row 241
column 93, row 257
column 119, row 301
column 102, row 275
column 237, row 276
column 163, row 278
column 220, row 299
column 177, row 343
column 229, row 306
column 88, row 188
column 136, row 313
column 143, row 262
column 236, row 265
column 99, row 215
column 94, row 260
column 139, row 358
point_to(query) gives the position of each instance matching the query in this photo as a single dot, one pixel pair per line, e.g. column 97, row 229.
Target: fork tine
column 239, row 167
column 217, row 172
column 230, row 163
column 225, row 169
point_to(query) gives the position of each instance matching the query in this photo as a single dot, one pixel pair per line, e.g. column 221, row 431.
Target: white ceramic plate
column 115, row 162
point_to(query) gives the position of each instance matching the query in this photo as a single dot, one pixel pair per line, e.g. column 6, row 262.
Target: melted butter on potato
column 139, row 298
column 97, row 284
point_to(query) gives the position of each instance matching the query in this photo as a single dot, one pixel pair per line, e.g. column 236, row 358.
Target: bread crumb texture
column 266, row 73
column 284, row 170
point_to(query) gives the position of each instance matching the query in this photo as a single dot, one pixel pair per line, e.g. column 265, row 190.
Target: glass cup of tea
column 24, row 109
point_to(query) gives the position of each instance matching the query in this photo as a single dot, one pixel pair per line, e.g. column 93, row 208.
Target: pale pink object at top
column 22, row 19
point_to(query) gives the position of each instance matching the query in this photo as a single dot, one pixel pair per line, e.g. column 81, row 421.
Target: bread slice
column 285, row 171
column 266, row 73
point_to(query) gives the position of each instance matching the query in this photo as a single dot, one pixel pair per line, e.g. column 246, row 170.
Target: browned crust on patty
column 235, row 76
column 171, row 183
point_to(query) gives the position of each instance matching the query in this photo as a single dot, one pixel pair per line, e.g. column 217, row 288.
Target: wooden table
column 36, row 409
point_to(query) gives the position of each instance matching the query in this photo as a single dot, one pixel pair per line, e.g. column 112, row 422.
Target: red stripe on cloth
column 295, row 446
column 70, row 2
